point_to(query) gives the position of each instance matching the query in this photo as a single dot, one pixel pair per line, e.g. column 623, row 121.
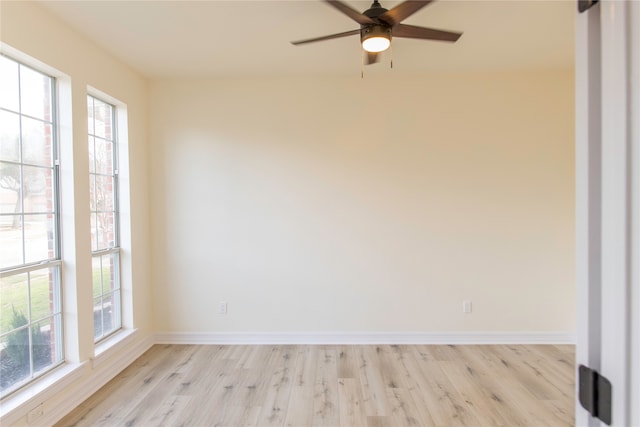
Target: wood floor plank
column 325, row 397
column 169, row 411
column 177, row 367
column 139, row 388
column 276, row 402
column 492, row 372
column 350, row 403
column 220, row 402
column 528, row 369
column 374, row 392
column 201, row 409
column 562, row 415
column 390, row 358
column 113, row 393
column 489, row 386
column 379, row 421
column 535, row 411
column 341, row 386
column 404, row 412
column 300, row 413
column 445, row 404
column 347, row 362
column 474, row 397
column 412, row 380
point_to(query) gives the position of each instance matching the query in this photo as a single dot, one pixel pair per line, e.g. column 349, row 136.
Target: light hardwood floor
column 346, row 386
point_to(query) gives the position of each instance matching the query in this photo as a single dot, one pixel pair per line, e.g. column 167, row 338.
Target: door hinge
column 584, row 5
column 595, row 393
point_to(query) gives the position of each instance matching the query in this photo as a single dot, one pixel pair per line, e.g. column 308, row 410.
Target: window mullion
column 29, row 324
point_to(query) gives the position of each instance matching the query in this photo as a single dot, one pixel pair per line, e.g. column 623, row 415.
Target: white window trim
column 124, row 218
column 58, row 262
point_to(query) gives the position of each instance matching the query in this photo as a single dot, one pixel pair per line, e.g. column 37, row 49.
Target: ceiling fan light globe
column 376, row 44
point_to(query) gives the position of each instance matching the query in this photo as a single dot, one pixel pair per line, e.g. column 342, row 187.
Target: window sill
column 105, row 349
column 18, row 404
column 110, row 352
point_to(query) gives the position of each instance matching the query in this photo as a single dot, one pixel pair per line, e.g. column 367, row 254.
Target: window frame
column 115, row 249
column 53, row 263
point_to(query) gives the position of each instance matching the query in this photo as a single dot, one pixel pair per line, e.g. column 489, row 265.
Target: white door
column 608, row 203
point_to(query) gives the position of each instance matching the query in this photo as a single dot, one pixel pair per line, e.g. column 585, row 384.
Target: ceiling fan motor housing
column 380, row 28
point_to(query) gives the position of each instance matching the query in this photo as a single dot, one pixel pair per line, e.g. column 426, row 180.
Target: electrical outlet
column 35, row 413
column 222, row 307
column 466, row 306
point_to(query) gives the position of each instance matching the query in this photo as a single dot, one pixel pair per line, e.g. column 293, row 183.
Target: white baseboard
column 366, row 338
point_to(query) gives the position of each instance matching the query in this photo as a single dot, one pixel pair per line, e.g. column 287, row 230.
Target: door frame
column 608, row 202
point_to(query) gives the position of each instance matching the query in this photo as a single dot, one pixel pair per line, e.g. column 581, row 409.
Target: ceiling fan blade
column 350, row 12
column 372, row 58
column 402, row 11
column 413, row 32
column 329, row 37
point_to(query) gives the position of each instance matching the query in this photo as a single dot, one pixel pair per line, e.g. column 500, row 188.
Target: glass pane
column 43, row 290
column 37, row 143
column 92, row 193
column 14, row 358
column 9, row 95
column 92, row 158
column 14, row 300
column 38, row 238
column 35, row 94
column 9, row 136
column 110, row 272
column 104, row 157
column 46, row 341
column 97, row 317
column 104, row 193
column 10, row 188
column 94, row 232
column 11, row 246
column 55, row 290
column 90, row 115
column 38, row 189
column 58, row 351
column 96, row 268
column 105, row 230
column 102, row 115
column 110, row 308
column 107, row 273
column 117, row 309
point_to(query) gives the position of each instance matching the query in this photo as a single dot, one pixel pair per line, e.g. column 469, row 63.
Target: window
column 105, row 245
column 30, row 284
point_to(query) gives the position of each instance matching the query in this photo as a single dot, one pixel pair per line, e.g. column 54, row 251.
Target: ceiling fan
column 378, row 25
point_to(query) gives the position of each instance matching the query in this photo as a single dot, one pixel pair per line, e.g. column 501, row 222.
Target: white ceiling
column 232, row 38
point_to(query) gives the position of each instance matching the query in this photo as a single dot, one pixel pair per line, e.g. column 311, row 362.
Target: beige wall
column 341, row 205
column 27, row 30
